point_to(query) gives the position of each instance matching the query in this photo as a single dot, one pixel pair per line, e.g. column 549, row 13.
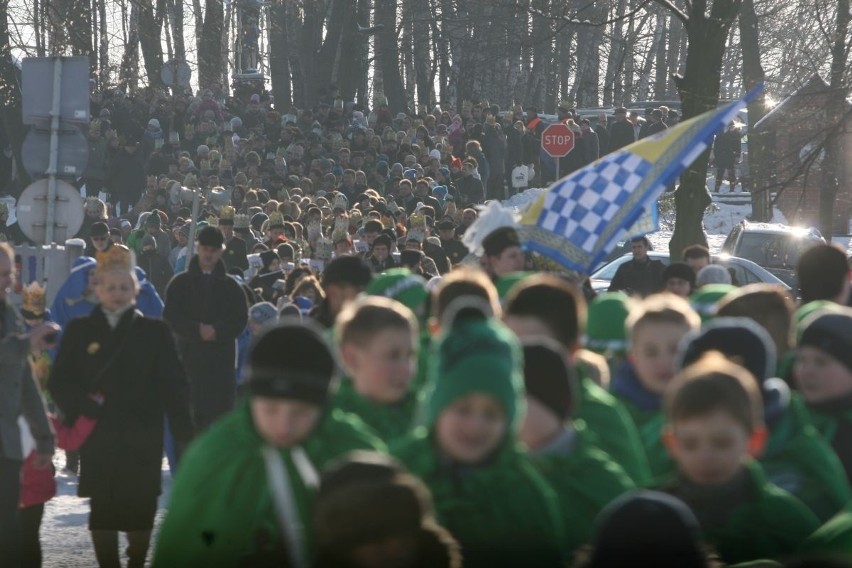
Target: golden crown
column 116, row 257
column 33, row 299
column 241, row 221
column 227, row 212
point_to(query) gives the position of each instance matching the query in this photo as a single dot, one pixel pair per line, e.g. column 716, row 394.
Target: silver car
column 743, row 271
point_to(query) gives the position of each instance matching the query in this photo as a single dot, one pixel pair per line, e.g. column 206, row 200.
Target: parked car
column 774, row 246
column 743, row 271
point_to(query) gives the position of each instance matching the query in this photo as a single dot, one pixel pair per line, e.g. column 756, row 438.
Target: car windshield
column 608, row 271
column 773, row 250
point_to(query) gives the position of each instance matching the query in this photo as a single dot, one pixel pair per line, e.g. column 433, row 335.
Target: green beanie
column 402, row 285
column 505, row 283
column 605, row 330
column 706, row 298
column 477, row 356
column 802, row 312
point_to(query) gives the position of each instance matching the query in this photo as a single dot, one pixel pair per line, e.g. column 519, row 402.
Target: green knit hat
column 402, row 285
column 801, row 314
column 605, row 330
column 505, row 283
column 706, row 298
column 476, row 355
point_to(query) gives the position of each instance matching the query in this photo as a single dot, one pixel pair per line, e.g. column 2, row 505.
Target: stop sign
column 557, row 140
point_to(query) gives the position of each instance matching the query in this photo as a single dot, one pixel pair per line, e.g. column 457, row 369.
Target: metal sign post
column 54, row 150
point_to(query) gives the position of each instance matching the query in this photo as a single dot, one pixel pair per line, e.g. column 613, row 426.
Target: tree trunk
column 836, row 123
column 699, row 92
column 103, row 45
column 149, row 39
column 210, row 60
column 10, row 97
column 753, row 75
column 613, row 76
column 421, row 53
column 175, row 9
column 660, row 67
column 279, row 57
column 387, row 51
column 351, row 66
column 129, row 75
column 673, row 54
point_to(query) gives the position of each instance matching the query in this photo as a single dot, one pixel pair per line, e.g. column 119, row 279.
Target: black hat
column 549, row 379
column 410, row 257
column 446, row 224
column 267, row 257
column 352, row 270
column 620, row 110
column 741, row 339
column 657, row 113
column 99, row 229
column 153, row 219
column 680, row 270
column 291, row 360
column 831, row 332
column 210, row 237
column 286, row 250
column 658, row 528
column 383, row 239
column 499, row 240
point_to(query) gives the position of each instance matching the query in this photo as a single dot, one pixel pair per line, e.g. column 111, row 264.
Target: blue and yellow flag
column 581, row 217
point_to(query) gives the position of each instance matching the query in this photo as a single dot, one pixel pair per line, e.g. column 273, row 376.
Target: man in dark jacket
column 603, row 134
column 470, row 189
column 207, row 311
column 126, row 176
column 641, row 275
column 157, row 269
column 495, row 152
column 453, row 247
column 621, row 132
column 655, row 124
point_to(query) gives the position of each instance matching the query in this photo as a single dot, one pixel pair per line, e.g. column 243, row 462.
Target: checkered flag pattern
column 581, row 207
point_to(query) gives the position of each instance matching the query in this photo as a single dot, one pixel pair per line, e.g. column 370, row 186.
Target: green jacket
column 833, row 539
column 612, row 429
column 586, row 480
column 502, row 514
column 798, row 459
column 772, row 524
column 220, row 510
column 389, row 422
column 649, row 426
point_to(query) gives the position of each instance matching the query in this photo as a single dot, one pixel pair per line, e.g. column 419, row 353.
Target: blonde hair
column 662, row 308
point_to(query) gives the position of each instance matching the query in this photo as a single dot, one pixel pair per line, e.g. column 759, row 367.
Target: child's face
column 382, row 370
column 539, row 426
column 283, row 422
column 678, row 287
column 471, row 428
column 115, row 289
column 820, row 376
column 654, row 354
column 709, row 449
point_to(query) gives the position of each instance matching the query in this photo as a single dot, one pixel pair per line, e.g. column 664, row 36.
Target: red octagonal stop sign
column 557, row 140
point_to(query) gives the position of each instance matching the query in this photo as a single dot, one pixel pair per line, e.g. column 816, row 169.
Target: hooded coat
column 221, row 512
column 389, row 422
column 503, row 513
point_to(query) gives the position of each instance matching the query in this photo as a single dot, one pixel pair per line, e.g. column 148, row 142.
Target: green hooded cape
column 586, row 481
column 503, row 513
column 220, row 510
column 390, row 422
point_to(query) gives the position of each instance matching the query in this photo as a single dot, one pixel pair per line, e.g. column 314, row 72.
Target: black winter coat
column 621, row 133
column 193, row 298
column 136, row 368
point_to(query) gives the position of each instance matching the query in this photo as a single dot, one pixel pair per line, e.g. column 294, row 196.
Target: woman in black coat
column 132, row 362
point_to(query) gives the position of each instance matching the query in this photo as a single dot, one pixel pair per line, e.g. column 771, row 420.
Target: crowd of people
column 343, row 369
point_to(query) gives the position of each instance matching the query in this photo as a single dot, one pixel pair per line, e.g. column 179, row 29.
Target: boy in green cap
column 823, row 373
column 244, row 493
column 714, row 425
column 655, row 328
column 606, row 333
column 377, row 338
column 546, row 305
column 585, row 478
column 486, row 492
column 409, row 289
column 707, row 298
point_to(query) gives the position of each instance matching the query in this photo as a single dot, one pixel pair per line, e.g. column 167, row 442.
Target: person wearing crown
column 275, row 230
column 236, row 254
column 132, row 360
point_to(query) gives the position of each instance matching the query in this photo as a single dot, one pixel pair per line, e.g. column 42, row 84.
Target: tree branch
column 679, row 14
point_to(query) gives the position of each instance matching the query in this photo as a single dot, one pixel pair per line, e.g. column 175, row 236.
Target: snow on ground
column 65, row 538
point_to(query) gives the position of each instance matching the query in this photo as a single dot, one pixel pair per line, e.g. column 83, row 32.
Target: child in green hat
column 486, row 492
column 585, row 478
column 377, row 338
